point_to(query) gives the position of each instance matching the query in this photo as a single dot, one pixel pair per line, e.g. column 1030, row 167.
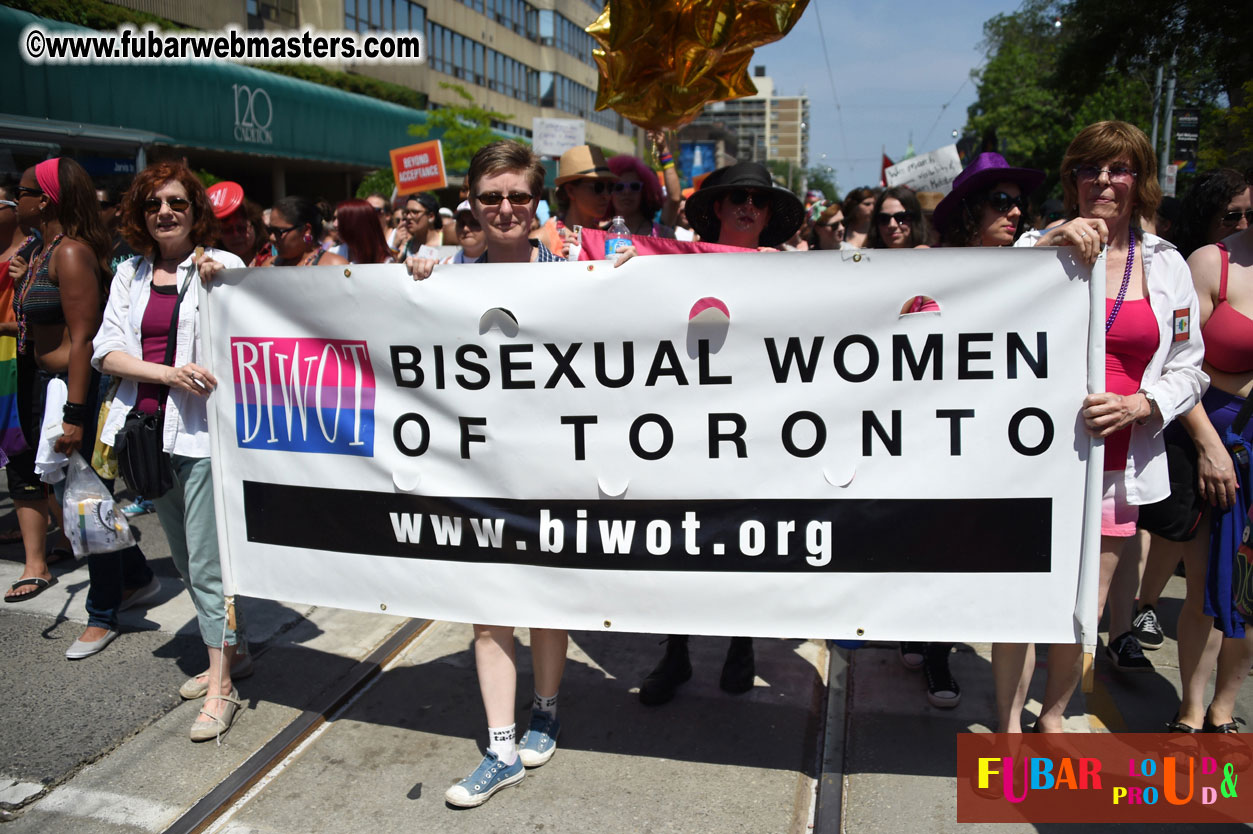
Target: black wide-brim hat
column 786, row 211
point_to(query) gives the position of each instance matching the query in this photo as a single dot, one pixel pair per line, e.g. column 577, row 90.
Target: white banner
column 553, row 137
column 757, row 444
column 934, row 171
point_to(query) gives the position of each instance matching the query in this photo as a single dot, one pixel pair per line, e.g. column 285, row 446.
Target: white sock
column 502, row 742
column 548, row 705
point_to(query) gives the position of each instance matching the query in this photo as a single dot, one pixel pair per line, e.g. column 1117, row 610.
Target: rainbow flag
column 11, row 440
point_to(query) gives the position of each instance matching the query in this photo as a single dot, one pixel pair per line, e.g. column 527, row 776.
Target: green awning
column 210, row 105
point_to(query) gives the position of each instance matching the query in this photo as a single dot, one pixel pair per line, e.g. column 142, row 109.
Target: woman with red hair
column 360, row 232
column 166, row 214
column 637, row 196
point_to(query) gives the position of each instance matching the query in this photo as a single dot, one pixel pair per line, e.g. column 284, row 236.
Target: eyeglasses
column 619, row 187
column 1231, row 219
column 464, row 226
column 279, row 231
column 740, row 196
column 33, row 192
column 1003, row 203
column 415, row 212
column 902, row 218
column 838, row 224
column 380, row 210
column 153, row 204
column 1119, row 174
column 515, row 198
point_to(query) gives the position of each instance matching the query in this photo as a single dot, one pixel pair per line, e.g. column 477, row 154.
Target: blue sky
column 894, row 65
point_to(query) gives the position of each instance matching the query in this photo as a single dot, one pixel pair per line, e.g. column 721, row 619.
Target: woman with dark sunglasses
column 167, row 215
column 637, row 196
column 1219, row 204
column 897, row 221
column 986, row 207
column 295, row 228
column 57, row 302
column 1153, row 353
column 584, row 193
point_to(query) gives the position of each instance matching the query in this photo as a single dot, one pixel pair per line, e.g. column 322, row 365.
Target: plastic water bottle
column 617, row 237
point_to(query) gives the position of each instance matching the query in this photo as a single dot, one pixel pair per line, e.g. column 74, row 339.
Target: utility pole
column 1157, row 103
column 1168, row 121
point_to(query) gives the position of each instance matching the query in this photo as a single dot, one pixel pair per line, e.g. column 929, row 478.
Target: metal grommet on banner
column 590, row 267
column 861, row 632
column 347, row 273
column 382, row 606
column 608, row 624
column 857, row 257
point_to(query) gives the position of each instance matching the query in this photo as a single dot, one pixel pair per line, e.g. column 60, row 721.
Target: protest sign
column 752, row 444
column 419, row 167
column 553, row 137
column 933, row 171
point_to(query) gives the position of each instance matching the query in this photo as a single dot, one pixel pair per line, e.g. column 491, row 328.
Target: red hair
column 360, row 231
column 134, row 224
column 651, row 198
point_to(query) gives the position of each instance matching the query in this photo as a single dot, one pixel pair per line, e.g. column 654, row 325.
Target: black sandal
column 1177, row 726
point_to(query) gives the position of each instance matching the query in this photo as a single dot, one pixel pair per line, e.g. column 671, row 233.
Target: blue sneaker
column 490, row 776
column 539, row 742
column 138, row 507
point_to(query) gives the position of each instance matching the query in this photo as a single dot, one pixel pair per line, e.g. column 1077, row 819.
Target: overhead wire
column 839, row 115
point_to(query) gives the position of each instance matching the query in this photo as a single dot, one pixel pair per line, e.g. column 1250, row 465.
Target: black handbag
column 140, row 442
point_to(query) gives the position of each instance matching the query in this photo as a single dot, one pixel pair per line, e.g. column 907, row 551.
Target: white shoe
column 80, row 649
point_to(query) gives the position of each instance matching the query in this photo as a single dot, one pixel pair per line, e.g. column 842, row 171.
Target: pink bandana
column 47, row 174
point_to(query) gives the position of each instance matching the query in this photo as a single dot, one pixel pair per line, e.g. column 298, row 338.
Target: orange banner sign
column 418, row 167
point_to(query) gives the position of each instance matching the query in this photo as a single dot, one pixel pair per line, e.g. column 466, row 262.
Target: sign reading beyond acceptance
column 418, row 167
column 752, row 444
column 934, row 171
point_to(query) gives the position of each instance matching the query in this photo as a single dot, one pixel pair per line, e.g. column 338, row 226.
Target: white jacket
column 1173, row 376
column 186, row 414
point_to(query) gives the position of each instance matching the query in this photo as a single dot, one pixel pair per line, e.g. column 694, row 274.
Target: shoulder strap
column 1222, row 281
column 171, row 338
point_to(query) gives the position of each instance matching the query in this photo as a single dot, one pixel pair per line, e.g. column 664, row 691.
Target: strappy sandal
column 1174, row 725
column 218, row 724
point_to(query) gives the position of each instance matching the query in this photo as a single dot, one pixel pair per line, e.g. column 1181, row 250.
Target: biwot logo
column 304, row 395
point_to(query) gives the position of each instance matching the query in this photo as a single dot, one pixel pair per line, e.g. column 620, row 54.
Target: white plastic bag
column 91, row 523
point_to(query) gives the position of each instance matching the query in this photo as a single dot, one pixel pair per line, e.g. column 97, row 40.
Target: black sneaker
column 1125, row 654
column 942, row 689
column 739, row 669
column 911, row 655
column 1146, row 628
column 674, row 670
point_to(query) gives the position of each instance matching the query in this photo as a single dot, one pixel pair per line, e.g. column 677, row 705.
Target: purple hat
column 986, row 171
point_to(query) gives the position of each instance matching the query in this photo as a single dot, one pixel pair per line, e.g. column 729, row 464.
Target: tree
column 1026, row 109
column 461, row 129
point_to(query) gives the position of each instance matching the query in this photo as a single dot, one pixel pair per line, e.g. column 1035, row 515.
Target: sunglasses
column 1003, row 203
column 838, row 224
column 33, row 192
column 381, row 210
column 597, row 185
column 468, row 226
column 8, row 204
column 740, row 196
column 153, row 204
column 902, row 218
column 515, row 198
column 619, row 187
column 1231, row 219
column 1120, row 174
column 415, row 212
column 279, row 231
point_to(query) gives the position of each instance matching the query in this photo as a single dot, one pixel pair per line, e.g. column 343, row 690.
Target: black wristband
column 74, row 413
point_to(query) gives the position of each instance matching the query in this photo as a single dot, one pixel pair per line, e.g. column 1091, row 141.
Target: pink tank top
column 154, row 333
column 1129, row 347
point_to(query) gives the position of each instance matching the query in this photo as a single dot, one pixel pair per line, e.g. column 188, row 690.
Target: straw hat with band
column 584, row 162
column 986, row 171
column 786, row 211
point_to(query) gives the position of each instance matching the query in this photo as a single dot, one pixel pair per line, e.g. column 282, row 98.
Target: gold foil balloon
column 661, row 61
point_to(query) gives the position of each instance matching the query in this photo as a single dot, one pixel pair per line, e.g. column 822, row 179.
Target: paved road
column 100, row 745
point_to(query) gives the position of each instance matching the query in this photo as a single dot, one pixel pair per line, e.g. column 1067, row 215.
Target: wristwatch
column 1148, row 395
